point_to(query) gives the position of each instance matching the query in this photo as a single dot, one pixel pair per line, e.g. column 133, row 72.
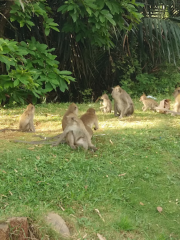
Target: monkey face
column 115, row 92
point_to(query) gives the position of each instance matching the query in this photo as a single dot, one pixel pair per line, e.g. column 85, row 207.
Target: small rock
column 4, row 231
column 58, row 224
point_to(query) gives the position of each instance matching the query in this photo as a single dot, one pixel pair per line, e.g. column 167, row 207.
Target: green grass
column 135, row 170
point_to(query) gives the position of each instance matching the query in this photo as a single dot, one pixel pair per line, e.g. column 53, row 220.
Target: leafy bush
column 31, row 70
column 38, row 8
column 152, row 84
column 86, row 95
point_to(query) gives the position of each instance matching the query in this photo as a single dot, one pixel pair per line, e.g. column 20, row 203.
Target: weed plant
column 135, row 170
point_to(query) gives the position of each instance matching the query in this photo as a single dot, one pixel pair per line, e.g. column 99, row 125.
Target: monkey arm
column 102, row 107
column 96, row 125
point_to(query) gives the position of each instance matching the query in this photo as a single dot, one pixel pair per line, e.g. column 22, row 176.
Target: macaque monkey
column 79, row 135
column 26, row 120
column 106, row 104
column 75, row 132
column 71, row 109
column 123, row 103
column 165, row 103
column 177, row 99
column 149, row 103
column 90, row 119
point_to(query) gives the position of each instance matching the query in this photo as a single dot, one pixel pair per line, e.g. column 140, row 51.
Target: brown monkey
column 71, row 109
column 177, row 99
column 106, row 104
column 79, row 135
column 149, row 103
column 26, row 120
column 90, row 119
column 123, row 103
column 75, row 133
column 165, row 103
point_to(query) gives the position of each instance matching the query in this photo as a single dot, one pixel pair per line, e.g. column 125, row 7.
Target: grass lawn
column 135, row 170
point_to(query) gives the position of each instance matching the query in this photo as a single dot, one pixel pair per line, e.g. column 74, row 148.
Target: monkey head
column 91, row 111
column 116, row 91
column 104, row 96
column 143, row 97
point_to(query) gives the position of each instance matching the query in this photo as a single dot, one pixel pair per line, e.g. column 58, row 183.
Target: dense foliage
column 86, row 47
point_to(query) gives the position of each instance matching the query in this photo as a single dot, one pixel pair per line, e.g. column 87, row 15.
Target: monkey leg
column 122, row 113
column 115, row 109
column 82, row 142
column 90, row 145
column 70, row 140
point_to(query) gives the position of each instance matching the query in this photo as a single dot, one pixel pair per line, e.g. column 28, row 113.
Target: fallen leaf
column 3, row 195
column 111, row 142
column 31, row 148
column 141, row 203
column 97, row 210
column 122, row 174
column 159, row 209
column 61, row 208
column 101, row 237
column 85, row 236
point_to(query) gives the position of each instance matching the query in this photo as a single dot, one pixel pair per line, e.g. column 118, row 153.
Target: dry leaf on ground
column 122, row 174
column 97, row 210
column 159, row 209
column 101, row 237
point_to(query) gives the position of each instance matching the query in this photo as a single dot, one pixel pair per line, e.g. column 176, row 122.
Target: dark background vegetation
column 135, row 46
